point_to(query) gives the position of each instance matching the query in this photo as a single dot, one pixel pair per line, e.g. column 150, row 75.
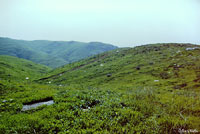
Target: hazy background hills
column 51, row 53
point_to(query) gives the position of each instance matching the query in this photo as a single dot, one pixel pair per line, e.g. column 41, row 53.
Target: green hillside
column 51, row 53
column 150, row 89
column 169, row 65
column 13, row 68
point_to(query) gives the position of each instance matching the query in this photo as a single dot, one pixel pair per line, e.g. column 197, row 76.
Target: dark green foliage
column 51, row 53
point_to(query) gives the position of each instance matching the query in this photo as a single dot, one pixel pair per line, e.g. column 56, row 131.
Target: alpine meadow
column 146, row 89
column 99, row 67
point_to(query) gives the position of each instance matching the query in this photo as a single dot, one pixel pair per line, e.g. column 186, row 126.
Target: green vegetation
column 51, row 53
column 147, row 89
column 12, row 68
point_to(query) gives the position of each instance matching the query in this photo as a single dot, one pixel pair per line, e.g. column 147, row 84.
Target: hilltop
column 173, row 66
column 51, row 53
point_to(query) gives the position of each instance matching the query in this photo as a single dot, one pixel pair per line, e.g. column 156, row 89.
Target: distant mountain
column 13, row 68
column 51, row 53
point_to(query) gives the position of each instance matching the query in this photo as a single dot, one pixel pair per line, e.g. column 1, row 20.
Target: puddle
column 34, row 105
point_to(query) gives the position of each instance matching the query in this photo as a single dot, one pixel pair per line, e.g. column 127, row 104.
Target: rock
column 109, row 75
column 180, row 86
column 192, row 48
column 151, row 63
column 4, row 101
column 138, row 68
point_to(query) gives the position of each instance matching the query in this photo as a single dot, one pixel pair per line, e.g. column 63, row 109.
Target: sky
column 124, row 23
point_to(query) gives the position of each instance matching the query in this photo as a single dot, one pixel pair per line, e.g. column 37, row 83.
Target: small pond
column 37, row 104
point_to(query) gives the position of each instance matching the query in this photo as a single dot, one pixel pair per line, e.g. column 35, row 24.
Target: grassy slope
column 51, row 53
column 171, row 64
column 129, row 101
column 13, row 68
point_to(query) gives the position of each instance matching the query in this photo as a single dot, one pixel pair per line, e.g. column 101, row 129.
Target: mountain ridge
column 142, row 59
column 51, row 53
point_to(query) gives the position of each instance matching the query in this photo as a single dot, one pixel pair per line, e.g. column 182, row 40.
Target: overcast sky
column 119, row 22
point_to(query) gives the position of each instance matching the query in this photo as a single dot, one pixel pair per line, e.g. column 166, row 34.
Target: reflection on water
column 32, row 106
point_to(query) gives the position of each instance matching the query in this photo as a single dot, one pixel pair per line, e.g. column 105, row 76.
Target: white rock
column 156, row 80
column 84, row 110
column 191, row 48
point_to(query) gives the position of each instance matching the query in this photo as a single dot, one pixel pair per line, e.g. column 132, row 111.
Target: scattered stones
column 192, row 48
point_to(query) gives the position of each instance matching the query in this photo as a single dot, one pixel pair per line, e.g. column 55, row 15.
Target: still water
column 32, row 106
